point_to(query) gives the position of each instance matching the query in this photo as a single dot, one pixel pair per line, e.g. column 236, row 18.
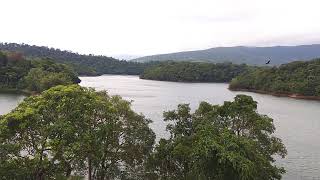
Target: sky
column 145, row 27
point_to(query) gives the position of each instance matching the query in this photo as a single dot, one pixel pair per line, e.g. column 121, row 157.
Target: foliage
column 83, row 64
column 36, row 75
column 3, row 59
column 194, row 72
column 12, row 71
column 231, row 141
column 47, row 74
column 298, row 77
column 86, row 132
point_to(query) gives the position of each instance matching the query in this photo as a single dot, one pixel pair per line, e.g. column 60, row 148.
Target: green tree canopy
column 231, row 141
column 18, row 73
column 45, row 74
column 71, row 129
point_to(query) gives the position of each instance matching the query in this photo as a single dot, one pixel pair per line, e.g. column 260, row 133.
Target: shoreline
column 16, row 91
column 182, row 81
column 294, row 96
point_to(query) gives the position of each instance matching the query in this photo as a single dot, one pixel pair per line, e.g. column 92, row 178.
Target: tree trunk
column 90, row 169
column 40, row 175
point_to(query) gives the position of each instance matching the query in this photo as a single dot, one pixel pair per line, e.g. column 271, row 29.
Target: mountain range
column 242, row 54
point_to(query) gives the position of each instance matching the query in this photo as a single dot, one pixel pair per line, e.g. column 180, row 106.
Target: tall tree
column 74, row 129
column 231, row 141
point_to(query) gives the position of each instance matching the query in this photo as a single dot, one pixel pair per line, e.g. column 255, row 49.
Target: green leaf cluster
column 33, row 75
column 71, row 130
column 231, row 141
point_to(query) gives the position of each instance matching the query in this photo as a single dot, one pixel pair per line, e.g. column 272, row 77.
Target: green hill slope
column 241, row 54
column 83, row 64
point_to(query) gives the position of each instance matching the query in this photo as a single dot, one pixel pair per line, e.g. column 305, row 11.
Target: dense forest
column 17, row 73
column 94, row 134
column 194, row 72
column 301, row 78
column 83, row 64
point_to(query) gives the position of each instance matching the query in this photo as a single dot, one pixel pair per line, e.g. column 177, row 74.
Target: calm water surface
column 9, row 102
column 297, row 121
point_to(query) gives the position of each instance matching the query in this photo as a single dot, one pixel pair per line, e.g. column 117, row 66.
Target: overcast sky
column 144, row 27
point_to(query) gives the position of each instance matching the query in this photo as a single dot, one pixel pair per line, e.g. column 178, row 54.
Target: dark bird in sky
column 268, row 62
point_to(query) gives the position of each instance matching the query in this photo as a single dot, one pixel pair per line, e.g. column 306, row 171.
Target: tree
column 3, row 59
column 39, row 80
column 231, row 141
column 74, row 129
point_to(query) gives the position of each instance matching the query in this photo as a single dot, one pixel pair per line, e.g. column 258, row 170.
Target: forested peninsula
column 194, row 72
column 298, row 79
column 17, row 74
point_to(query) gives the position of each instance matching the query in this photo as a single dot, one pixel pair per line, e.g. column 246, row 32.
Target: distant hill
column 83, row 64
column 242, row 54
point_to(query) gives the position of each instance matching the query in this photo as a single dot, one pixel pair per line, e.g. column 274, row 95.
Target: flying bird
column 268, row 62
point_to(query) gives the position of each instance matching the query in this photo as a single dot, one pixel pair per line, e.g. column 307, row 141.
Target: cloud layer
column 144, row 27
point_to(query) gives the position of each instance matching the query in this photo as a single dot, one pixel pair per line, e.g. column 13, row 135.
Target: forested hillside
column 302, row 78
column 17, row 73
column 241, row 54
column 83, row 64
column 194, row 72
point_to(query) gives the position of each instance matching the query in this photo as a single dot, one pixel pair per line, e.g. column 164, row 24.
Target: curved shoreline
column 295, row 96
column 183, row 81
column 16, row 91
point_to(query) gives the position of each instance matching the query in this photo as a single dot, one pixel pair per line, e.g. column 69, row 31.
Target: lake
column 297, row 121
column 9, row 102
